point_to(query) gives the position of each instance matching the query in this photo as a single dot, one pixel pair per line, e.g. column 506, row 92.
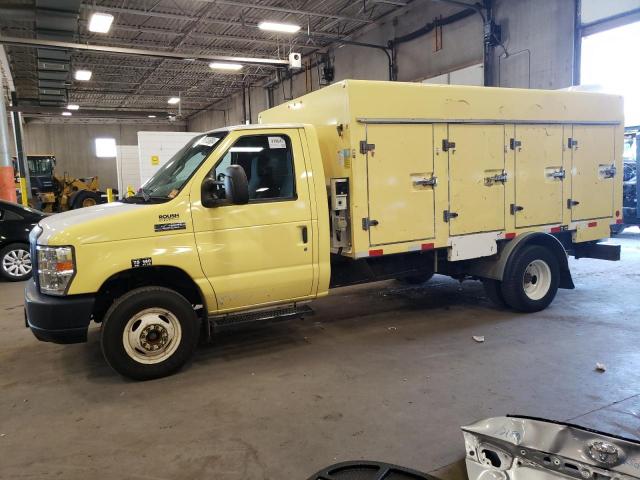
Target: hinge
column 449, row 215
column 572, row 203
column 516, row 208
column 500, row 177
column 513, row 143
column 366, row 223
column 446, row 145
column 572, row 143
column 366, row 147
column 558, row 175
column 426, row 182
column 608, row 171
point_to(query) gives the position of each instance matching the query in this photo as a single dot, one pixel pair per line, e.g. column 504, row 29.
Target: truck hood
column 107, row 222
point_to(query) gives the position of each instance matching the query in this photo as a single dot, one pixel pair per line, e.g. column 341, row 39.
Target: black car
column 16, row 222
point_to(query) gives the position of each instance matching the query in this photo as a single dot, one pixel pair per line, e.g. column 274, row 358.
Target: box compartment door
column 477, row 157
column 539, row 175
column 591, row 182
column 399, row 167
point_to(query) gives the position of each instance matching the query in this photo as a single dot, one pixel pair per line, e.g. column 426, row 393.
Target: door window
column 267, row 161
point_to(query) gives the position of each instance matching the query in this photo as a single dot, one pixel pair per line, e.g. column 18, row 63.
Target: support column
column 21, row 158
column 7, row 180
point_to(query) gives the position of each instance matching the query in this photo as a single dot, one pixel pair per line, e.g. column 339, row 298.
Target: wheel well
column 555, row 247
column 160, row 276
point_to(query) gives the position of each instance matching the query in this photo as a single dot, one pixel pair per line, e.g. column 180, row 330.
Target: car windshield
column 173, row 175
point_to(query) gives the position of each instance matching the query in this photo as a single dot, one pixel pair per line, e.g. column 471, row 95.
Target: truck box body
column 436, row 166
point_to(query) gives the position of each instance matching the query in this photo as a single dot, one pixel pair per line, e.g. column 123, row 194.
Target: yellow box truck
column 358, row 182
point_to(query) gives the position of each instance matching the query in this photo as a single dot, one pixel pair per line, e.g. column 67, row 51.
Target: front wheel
column 531, row 281
column 149, row 332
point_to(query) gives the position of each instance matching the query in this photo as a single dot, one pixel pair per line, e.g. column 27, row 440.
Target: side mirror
column 208, row 192
column 236, row 185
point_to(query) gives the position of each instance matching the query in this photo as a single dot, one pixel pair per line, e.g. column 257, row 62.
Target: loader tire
column 417, row 279
column 85, row 198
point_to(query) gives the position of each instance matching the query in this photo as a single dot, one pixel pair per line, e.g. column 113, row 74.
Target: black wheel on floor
column 531, row 279
column 149, row 332
column 417, row 279
column 493, row 289
column 85, row 198
column 15, row 262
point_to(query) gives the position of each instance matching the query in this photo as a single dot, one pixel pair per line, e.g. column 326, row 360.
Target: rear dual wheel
column 529, row 283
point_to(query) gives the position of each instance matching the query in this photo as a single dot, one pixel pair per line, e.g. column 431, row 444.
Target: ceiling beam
column 34, row 43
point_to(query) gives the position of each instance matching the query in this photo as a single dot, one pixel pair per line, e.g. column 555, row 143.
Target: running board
column 232, row 320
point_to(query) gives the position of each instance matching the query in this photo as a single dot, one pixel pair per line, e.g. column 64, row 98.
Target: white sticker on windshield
column 277, row 142
column 208, row 141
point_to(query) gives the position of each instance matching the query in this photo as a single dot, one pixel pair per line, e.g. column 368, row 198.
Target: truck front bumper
column 57, row 319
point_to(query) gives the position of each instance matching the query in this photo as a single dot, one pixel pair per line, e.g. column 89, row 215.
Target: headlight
column 56, row 268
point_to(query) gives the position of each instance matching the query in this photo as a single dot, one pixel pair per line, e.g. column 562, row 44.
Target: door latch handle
column 426, row 182
column 558, row 175
column 305, row 234
column 572, row 203
column 608, row 171
column 500, row 177
column 515, row 208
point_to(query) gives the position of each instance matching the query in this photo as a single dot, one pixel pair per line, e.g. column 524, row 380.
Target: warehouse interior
column 386, row 371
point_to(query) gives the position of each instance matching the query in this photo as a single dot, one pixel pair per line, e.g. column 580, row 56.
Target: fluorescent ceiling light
column 66, row 114
column 225, row 66
column 73, row 107
column 151, row 116
column 83, row 75
column 279, row 27
column 173, row 100
column 100, row 22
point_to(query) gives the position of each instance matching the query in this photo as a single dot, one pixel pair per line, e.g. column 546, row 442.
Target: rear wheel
column 149, row 332
column 15, row 262
column 531, row 280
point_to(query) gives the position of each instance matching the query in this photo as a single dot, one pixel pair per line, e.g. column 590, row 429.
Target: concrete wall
column 538, row 35
column 74, row 147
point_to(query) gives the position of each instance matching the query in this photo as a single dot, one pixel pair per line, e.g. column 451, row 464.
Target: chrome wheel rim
column 536, row 280
column 17, row 263
column 152, row 335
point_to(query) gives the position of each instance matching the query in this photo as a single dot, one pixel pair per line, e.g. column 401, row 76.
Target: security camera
column 295, row 60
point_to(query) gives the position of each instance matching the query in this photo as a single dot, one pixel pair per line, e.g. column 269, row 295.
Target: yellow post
column 23, row 192
column 109, row 195
column 130, row 191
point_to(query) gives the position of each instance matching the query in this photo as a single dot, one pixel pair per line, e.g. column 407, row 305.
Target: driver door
column 259, row 253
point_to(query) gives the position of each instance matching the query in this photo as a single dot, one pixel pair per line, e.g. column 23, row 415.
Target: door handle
column 305, row 234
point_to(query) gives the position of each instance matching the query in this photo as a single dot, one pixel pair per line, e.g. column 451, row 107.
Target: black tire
column 617, row 228
column 514, row 280
column 417, row 279
column 15, row 262
column 130, row 306
column 85, row 198
column 493, row 289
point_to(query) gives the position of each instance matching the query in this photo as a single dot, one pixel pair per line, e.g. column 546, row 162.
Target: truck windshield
column 173, row 175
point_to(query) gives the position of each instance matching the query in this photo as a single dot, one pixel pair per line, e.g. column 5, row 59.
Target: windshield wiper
column 145, row 195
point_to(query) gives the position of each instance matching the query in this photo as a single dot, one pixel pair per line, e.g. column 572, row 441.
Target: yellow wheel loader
column 51, row 193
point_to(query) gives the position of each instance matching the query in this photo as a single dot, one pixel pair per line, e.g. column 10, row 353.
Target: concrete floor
column 380, row 372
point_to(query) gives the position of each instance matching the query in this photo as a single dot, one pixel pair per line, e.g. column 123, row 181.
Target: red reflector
column 619, row 221
column 375, row 253
column 509, row 236
column 427, row 246
column 555, row 229
column 617, row 213
column 592, row 224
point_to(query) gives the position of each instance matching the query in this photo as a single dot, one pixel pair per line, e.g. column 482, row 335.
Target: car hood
column 112, row 222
